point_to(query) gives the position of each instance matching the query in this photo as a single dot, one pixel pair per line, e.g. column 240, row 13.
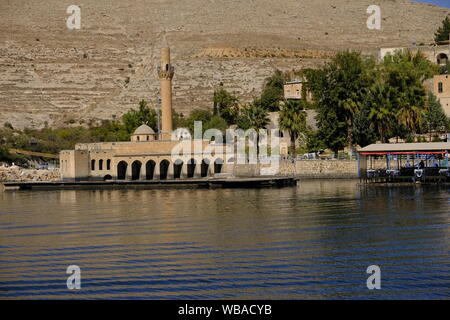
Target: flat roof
column 405, row 147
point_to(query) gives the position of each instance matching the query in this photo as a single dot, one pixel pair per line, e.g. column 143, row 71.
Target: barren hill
column 49, row 73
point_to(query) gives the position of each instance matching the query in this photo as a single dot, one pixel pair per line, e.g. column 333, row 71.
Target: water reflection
column 312, row 241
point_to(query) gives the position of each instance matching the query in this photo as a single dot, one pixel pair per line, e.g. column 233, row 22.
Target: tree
column 380, row 110
column 405, row 73
column 273, row 91
column 410, row 114
column 339, row 90
column 178, row 120
column 292, row 117
column 216, row 122
column 208, row 120
column 442, row 34
column 434, row 118
column 403, row 69
column 226, row 105
column 332, row 130
column 4, row 153
column 363, row 131
column 8, row 125
column 313, row 141
column 134, row 118
column 6, row 156
column 198, row 115
column 254, row 116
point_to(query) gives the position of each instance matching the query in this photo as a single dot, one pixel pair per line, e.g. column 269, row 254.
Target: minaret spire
column 165, row 73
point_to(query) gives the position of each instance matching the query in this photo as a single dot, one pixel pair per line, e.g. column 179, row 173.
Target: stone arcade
column 148, row 155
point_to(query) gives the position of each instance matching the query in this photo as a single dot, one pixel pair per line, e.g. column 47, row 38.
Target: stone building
column 438, row 54
column 441, row 88
column 284, row 135
column 148, row 155
column 294, row 90
column 143, row 133
column 146, row 160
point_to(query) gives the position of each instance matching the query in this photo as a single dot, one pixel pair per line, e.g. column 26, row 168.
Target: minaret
column 165, row 73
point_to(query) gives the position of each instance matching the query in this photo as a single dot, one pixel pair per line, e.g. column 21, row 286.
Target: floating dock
column 405, row 162
column 253, row 182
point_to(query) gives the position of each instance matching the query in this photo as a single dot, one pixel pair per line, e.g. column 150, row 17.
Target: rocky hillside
column 51, row 74
column 19, row 174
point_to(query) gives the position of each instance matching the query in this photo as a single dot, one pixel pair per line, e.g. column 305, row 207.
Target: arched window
column 92, row 164
column 108, row 164
column 442, row 59
column 100, row 164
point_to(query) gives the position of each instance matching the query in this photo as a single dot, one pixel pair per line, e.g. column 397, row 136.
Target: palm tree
column 380, row 109
column 410, row 109
column 254, row 116
column 293, row 119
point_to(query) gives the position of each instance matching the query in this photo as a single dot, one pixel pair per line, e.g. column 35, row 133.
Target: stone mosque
column 148, row 156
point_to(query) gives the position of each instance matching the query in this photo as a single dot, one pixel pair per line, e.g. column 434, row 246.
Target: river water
column 313, row 241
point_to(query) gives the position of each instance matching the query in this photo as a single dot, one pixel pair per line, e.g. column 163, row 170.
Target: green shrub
column 436, row 139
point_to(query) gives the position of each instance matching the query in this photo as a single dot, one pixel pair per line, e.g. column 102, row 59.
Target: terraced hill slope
column 51, row 74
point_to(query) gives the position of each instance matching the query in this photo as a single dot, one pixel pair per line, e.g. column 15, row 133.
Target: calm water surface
column 313, row 241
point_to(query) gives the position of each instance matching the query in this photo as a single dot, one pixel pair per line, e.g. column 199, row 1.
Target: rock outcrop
column 17, row 174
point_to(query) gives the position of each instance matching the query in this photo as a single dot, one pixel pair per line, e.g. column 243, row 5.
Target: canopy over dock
column 404, row 160
column 400, row 148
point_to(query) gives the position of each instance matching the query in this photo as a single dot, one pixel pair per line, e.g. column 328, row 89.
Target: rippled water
column 311, row 241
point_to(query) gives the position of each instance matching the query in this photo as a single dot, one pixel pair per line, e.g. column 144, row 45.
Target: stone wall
column 307, row 169
column 378, row 164
column 327, row 169
column 321, row 169
column 242, row 170
column 287, row 168
column 317, row 169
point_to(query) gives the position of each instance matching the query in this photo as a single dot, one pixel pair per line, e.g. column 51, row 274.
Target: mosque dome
column 143, row 130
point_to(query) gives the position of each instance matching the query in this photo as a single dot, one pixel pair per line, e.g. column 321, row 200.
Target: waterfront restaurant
column 398, row 162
